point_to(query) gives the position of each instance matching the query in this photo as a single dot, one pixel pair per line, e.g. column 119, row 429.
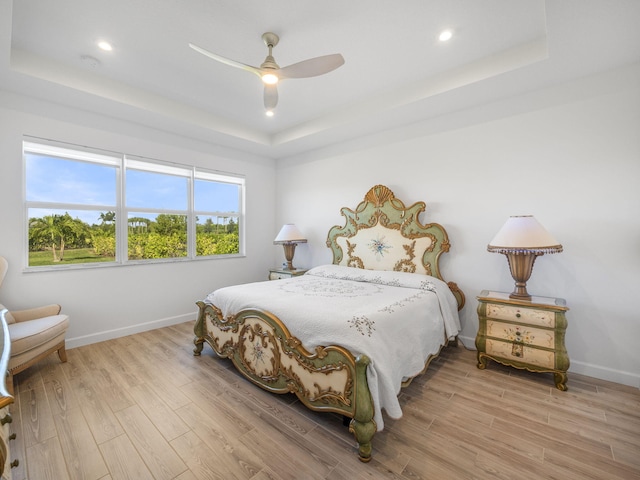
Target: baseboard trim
column 605, row 373
column 130, row 330
column 583, row 368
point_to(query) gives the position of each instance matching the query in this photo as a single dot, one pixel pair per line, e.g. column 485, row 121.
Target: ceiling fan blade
column 312, row 67
column 270, row 96
column 226, row 61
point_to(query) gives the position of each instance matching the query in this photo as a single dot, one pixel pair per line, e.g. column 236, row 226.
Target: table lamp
column 289, row 237
column 522, row 239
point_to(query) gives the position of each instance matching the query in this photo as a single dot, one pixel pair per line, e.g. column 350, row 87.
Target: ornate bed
column 358, row 370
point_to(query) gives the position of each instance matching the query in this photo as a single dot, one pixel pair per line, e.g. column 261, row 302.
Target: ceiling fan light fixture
column 269, row 113
column 270, row 78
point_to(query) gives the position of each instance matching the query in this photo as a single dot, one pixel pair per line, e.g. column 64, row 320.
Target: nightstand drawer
column 544, row 318
column 278, row 275
column 521, row 334
column 518, row 352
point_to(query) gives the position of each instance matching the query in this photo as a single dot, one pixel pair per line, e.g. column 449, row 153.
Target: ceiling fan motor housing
column 269, row 62
column 270, row 39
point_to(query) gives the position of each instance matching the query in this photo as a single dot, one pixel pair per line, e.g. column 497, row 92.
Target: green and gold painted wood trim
column 421, row 248
column 263, row 350
column 561, row 361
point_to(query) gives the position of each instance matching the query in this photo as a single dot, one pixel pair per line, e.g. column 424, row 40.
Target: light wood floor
column 143, row 407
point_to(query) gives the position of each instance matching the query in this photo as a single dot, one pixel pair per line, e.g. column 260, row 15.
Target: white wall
column 109, row 302
column 569, row 155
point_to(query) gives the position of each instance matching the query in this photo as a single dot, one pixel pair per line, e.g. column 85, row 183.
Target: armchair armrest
column 33, row 313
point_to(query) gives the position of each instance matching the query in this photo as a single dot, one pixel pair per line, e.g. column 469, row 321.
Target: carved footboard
column 263, row 350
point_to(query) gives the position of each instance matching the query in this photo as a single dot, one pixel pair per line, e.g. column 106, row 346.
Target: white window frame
column 122, row 163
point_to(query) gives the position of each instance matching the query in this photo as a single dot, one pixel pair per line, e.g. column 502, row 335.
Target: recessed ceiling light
column 269, row 113
column 106, row 46
column 445, row 35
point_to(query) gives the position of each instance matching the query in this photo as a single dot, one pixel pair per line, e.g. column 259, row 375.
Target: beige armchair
column 34, row 333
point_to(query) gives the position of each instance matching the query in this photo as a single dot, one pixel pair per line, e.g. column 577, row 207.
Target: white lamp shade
column 289, row 233
column 524, row 233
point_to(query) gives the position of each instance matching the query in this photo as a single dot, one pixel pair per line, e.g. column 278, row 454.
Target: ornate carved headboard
column 383, row 234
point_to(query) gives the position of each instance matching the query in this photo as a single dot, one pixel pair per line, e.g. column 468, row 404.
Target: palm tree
column 54, row 230
column 46, row 228
column 108, row 217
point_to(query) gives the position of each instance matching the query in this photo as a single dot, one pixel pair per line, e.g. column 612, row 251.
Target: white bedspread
column 397, row 319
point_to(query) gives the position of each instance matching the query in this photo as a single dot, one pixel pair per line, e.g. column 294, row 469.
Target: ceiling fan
column 271, row 73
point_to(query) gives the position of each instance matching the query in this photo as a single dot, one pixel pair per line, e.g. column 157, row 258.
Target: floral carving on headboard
column 353, row 261
column 407, row 265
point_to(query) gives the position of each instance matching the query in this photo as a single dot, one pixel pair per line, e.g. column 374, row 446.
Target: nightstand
column 525, row 334
column 280, row 273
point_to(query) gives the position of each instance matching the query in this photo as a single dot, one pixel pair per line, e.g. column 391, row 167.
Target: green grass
column 71, row 256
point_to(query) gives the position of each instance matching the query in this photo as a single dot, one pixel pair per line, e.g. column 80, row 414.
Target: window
column 217, row 206
column 85, row 207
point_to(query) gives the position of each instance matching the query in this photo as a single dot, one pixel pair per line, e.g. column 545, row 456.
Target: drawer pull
column 12, row 436
column 518, row 315
column 6, row 419
column 15, row 463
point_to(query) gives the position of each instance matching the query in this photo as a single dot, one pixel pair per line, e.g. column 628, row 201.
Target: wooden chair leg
column 62, row 353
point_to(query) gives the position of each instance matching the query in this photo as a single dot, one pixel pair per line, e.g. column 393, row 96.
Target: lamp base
column 519, row 295
column 521, row 266
column 289, row 251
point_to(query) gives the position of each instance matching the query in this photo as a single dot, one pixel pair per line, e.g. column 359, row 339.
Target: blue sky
column 51, row 179
column 65, row 181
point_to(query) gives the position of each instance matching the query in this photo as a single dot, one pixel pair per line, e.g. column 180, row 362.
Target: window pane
column 51, row 179
column 156, row 190
column 152, row 236
column 216, row 197
column 73, row 197
column 59, row 237
column 217, row 235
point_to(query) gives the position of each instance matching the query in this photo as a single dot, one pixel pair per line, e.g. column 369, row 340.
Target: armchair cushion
column 26, row 336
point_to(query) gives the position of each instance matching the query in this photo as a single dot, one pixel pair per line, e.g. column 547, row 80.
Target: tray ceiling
column 396, row 70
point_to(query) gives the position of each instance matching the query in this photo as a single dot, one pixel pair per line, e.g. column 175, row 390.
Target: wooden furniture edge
column 354, row 402
column 6, row 398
